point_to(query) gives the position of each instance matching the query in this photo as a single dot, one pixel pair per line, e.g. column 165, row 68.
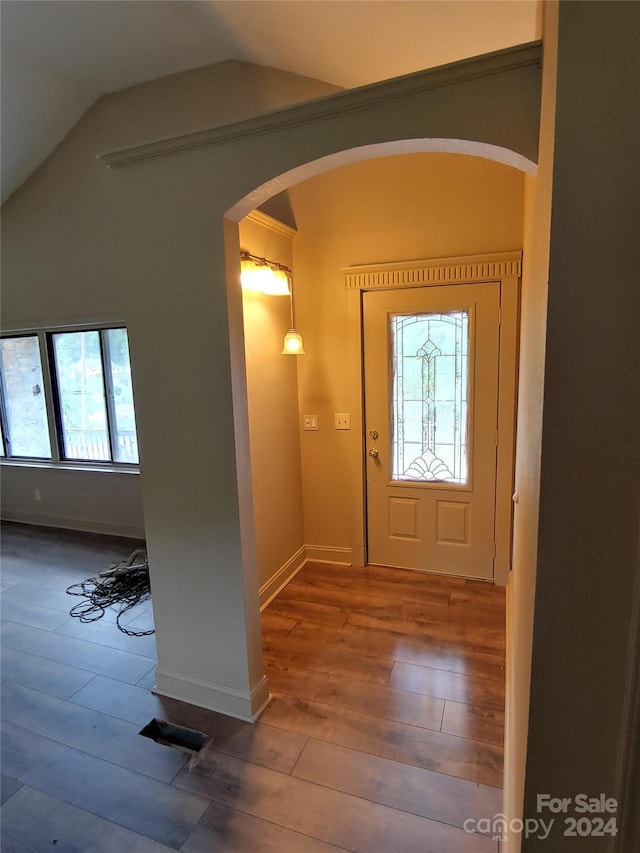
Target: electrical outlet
column 342, row 420
column 311, row 422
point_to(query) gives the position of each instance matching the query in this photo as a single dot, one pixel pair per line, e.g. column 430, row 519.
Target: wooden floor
column 384, row 733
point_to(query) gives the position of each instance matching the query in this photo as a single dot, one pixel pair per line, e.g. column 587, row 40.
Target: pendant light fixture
column 292, row 344
column 260, row 275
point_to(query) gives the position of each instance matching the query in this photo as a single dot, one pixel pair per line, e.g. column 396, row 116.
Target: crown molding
column 463, row 270
column 266, row 221
column 335, row 105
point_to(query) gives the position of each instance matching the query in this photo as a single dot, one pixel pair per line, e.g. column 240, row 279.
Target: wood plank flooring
column 383, row 735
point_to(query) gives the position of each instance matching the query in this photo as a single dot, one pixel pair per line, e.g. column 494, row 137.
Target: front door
column 431, row 409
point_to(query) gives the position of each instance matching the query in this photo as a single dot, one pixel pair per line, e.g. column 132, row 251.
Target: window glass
column 80, row 383
column 27, row 432
column 125, row 442
column 430, row 396
column 88, row 387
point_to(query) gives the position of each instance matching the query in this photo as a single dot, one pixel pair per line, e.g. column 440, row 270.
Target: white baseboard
column 305, row 554
column 329, row 554
column 214, row 697
column 83, row 524
column 281, row 578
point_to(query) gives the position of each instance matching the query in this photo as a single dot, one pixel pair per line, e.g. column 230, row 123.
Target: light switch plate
column 310, row 422
column 342, row 420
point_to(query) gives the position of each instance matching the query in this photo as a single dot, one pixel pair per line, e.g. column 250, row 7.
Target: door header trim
column 463, row 270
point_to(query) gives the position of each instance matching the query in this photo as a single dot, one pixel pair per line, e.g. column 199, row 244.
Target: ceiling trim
column 332, row 106
column 272, row 224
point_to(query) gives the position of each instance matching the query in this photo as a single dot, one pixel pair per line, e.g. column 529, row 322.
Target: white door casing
column 431, row 409
column 503, row 268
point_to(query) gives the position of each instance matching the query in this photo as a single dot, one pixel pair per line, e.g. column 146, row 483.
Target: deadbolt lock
column 373, row 433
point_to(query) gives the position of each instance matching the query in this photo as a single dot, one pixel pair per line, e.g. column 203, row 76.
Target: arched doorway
column 209, row 650
column 335, row 283
column 470, row 197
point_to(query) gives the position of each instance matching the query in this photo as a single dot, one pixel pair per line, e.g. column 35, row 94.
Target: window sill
column 88, row 467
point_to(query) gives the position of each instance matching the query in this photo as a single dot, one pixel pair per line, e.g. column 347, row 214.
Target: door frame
column 504, row 268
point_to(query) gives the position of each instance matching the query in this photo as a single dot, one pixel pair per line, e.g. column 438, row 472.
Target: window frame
column 53, row 404
column 4, row 421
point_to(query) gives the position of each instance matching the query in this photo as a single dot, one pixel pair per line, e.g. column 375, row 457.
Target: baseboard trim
column 213, row 696
column 305, row 554
column 83, row 524
column 329, row 554
column 281, row 578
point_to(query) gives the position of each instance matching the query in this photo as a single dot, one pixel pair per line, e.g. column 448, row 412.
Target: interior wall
column 272, row 396
column 88, row 500
column 584, row 635
column 66, row 288
column 82, row 245
column 522, row 579
column 416, row 206
column 151, row 245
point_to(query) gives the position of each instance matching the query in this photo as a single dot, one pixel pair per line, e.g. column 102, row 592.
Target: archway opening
column 429, row 198
column 318, row 372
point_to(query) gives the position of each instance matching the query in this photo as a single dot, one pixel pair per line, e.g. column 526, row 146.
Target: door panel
column 431, row 402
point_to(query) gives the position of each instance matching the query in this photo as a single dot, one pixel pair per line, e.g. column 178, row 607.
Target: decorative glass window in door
column 430, row 354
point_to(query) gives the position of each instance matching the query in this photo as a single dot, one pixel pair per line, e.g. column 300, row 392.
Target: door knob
column 373, row 453
column 373, row 433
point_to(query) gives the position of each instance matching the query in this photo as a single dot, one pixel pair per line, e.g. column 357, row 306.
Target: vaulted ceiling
column 58, row 57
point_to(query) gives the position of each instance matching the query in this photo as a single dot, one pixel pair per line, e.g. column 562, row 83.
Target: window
column 25, row 432
column 430, row 379
column 88, row 393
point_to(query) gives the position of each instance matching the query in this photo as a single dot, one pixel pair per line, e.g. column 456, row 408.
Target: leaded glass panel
column 429, row 355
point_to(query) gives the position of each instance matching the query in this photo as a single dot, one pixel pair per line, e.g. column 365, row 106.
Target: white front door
column 431, row 409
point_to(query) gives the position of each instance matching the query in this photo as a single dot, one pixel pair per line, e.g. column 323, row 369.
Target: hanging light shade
column 293, row 343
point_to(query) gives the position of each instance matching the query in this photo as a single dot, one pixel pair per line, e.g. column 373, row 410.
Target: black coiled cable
column 126, row 584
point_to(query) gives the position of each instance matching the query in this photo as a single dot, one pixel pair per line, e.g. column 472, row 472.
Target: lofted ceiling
column 59, row 56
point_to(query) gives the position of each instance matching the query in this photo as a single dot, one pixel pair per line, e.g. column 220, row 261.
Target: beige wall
column 272, row 393
column 522, row 580
column 401, row 208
